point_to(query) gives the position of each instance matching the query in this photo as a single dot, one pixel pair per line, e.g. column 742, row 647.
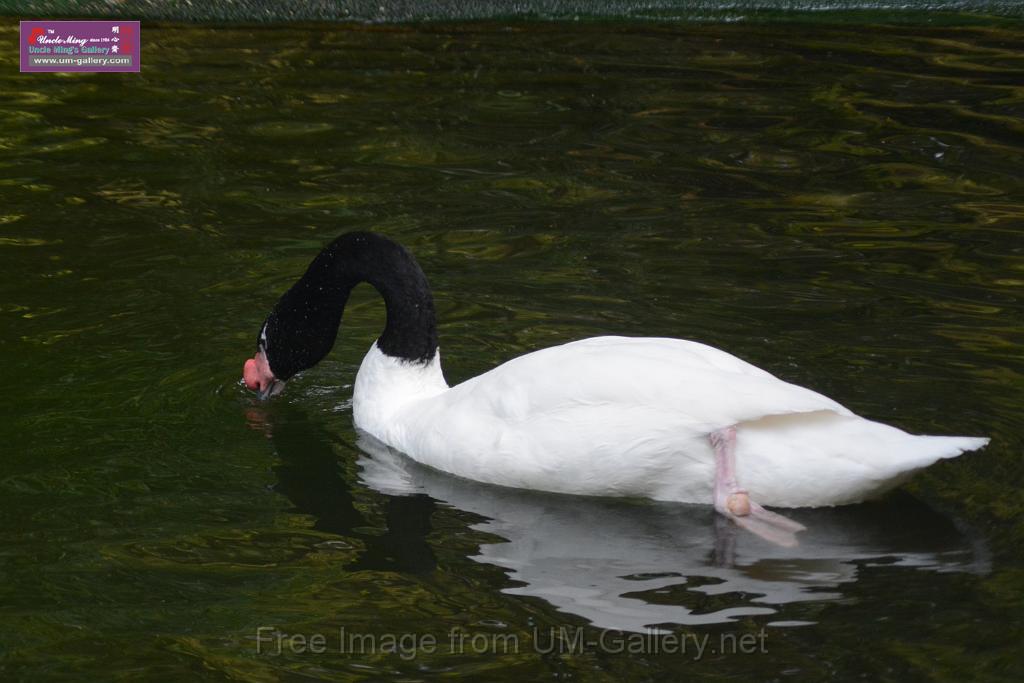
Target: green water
column 375, row 11
column 842, row 206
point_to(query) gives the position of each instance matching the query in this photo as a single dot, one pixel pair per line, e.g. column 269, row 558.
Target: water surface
column 841, row 206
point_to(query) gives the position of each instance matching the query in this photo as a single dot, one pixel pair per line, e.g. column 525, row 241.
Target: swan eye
column 262, row 343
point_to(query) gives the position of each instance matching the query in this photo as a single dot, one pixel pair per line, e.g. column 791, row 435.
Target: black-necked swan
column 660, row 418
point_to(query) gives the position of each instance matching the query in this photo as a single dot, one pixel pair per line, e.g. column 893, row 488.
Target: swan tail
column 824, row 458
column 930, row 449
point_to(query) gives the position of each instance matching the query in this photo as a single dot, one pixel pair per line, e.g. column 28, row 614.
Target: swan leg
column 724, row 554
column 734, row 502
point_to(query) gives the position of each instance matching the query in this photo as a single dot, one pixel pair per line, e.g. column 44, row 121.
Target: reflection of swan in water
column 586, row 556
column 608, row 561
column 309, row 475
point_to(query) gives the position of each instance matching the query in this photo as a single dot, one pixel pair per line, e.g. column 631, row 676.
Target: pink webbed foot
column 735, row 503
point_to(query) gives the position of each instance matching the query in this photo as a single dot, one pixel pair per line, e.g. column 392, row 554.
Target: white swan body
column 611, row 416
column 620, row 416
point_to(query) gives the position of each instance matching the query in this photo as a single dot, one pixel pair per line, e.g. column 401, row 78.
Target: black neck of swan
column 302, row 328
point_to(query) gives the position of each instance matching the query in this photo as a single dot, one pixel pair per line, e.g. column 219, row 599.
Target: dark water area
column 839, row 205
column 858, row 12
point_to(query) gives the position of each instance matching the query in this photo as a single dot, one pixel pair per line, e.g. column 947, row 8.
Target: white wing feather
column 631, row 416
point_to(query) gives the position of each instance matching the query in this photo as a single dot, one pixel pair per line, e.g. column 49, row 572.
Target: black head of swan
column 667, row 419
column 302, row 327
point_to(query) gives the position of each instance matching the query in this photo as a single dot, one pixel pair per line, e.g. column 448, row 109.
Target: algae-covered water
column 840, row 205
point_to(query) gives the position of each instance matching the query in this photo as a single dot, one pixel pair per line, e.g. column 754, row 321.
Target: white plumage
column 618, row 416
